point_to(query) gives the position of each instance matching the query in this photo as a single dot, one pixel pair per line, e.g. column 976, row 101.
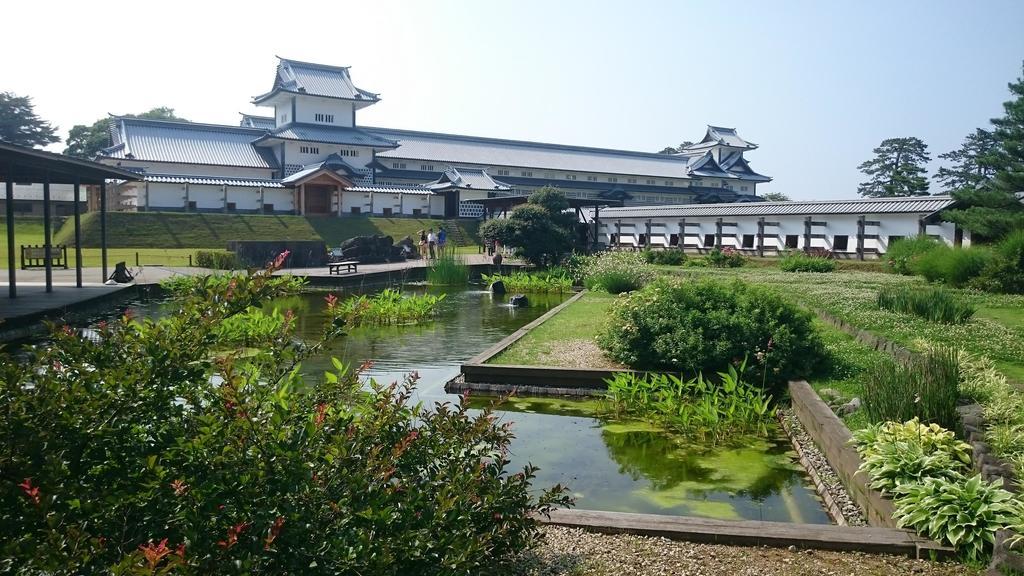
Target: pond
column 608, row 465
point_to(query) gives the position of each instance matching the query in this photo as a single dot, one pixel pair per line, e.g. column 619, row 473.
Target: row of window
column 326, row 118
column 309, row 149
column 840, row 243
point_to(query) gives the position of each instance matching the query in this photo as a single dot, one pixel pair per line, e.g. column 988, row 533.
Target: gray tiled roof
column 329, row 135
column 912, row 205
column 473, row 178
column 316, row 80
column 455, row 149
column 716, row 135
column 215, row 181
column 391, row 189
column 334, row 163
column 187, row 143
column 261, row 122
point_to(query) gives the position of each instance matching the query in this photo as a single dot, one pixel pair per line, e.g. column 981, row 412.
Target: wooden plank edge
column 507, row 341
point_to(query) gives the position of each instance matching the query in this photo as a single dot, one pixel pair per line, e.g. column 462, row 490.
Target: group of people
column 432, row 244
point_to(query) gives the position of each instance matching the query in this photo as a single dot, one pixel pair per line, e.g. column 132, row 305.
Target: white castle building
column 311, row 157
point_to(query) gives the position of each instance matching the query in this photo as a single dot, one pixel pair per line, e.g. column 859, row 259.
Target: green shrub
column 966, row 513
column 933, row 304
column 615, row 272
column 704, row 326
column 535, row 283
column 448, row 270
column 146, row 451
column 698, row 408
column 696, row 263
column 252, row 327
column 1005, row 271
column 387, row 307
column 953, row 266
column 926, row 387
column 902, row 254
column 725, row 258
column 799, row 262
column 217, row 260
column 667, row 257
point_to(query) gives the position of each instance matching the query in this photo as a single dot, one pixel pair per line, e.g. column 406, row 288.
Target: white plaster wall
column 244, row 198
column 206, row 197
column 307, row 107
column 282, row 198
column 294, row 155
column 164, row 195
column 411, row 202
column 355, row 199
column 382, row 201
column 436, row 205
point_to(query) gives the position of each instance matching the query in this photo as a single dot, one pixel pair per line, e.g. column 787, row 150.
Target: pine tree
column 897, row 169
column 20, row 125
column 993, row 210
column 971, row 163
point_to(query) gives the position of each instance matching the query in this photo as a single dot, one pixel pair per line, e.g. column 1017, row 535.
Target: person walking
column 442, row 239
column 431, row 243
column 423, row 244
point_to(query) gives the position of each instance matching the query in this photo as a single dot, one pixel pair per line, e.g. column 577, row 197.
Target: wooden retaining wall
column 833, row 438
column 752, row 532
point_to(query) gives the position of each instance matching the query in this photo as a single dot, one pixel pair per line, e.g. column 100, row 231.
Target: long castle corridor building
column 311, row 157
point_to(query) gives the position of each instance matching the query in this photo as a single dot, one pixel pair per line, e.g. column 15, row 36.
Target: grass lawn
column 167, row 230
column 579, row 320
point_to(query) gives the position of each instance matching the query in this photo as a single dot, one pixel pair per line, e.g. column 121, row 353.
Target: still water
column 608, row 465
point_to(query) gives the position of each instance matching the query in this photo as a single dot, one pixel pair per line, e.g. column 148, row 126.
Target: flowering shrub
column 704, row 326
column 146, row 451
column 725, row 258
column 612, row 272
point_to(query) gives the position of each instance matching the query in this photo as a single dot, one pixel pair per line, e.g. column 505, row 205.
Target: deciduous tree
column 86, row 141
column 775, row 197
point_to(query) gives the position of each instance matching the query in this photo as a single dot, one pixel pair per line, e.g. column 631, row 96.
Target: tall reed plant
column 927, row 387
column 933, row 304
column 385, row 308
column 448, row 270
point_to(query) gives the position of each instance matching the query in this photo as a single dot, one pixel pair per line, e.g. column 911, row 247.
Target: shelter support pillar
column 103, row 227
column 12, row 288
column 647, row 235
column 47, row 234
column 682, row 235
column 718, row 233
column 807, row 234
column 78, row 233
column 618, row 233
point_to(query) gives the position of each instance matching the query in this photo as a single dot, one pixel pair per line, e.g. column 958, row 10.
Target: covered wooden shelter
column 28, row 165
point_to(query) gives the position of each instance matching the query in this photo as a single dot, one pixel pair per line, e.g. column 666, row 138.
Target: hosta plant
column 963, row 512
column 898, row 454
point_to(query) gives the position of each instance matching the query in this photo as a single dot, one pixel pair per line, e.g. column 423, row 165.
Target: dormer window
column 309, row 149
column 325, row 118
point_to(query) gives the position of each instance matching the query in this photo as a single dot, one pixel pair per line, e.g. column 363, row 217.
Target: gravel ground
column 577, row 353
column 569, row 551
column 851, row 512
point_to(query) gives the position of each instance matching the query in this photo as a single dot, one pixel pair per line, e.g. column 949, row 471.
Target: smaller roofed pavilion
column 22, row 164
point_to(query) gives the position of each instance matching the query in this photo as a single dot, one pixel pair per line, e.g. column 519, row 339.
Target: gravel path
column 577, row 353
column 850, row 511
column 569, row 551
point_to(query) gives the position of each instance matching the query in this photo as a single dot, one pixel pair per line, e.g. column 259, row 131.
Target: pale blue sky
column 816, row 84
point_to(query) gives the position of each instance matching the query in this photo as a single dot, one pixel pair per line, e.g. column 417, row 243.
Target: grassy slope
column 172, row 230
column 581, row 319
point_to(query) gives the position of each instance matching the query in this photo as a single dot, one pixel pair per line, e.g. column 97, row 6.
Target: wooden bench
column 348, row 265
column 35, row 257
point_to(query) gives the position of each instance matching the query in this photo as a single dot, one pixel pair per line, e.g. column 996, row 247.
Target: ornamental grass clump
column 447, row 270
column 705, row 326
column 934, row 304
column 903, row 253
column 147, row 450
column 925, row 387
column 800, row 262
column 387, row 307
column 614, row 272
column 699, row 408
